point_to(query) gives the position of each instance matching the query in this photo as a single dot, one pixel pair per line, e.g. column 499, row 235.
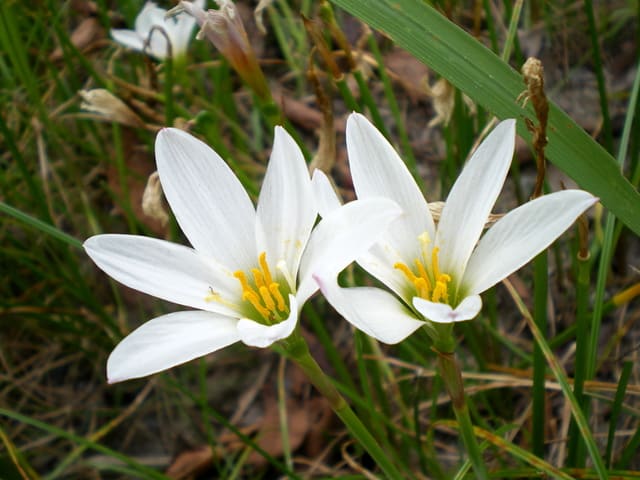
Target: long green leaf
column 490, row 82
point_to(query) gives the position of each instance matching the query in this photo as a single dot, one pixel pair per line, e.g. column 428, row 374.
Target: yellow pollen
column 267, row 298
column 434, row 262
column 265, row 268
column 258, row 277
column 422, row 287
column 274, row 288
column 431, row 285
column 404, row 269
column 243, row 280
column 253, row 298
column 264, row 295
column 423, row 273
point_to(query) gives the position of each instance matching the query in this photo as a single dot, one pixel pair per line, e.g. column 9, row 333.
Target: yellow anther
column 274, row 288
column 265, row 268
column 422, row 287
column 243, row 280
column 267, row 299
column 258, row 278
column 431, row 285
column 263, row 294
column 424, row 239
column 434, row 263
column 440, row 293
column 406, row 270
column 423, row 273
column 253, row 298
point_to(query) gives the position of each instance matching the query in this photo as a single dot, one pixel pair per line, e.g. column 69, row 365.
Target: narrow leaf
column 490, row 82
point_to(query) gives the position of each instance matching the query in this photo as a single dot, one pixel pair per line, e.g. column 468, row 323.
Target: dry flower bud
column 444, row 101
column 224, row 28
column 152, row 204
column 107, row 105
column 258, row 14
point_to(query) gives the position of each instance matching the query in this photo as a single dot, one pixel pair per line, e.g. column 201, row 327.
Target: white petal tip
column 258, row 335
column 468, row 309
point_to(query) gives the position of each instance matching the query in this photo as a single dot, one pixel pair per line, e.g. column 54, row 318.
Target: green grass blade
column 142, row 470
column 514, row 450
column 40, row 225
column 540, row 292
column 494, row 85
column 562, row 379
column 616, row 408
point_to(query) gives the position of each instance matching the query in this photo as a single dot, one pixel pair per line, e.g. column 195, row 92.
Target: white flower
column 249, row 271
column 148, row 34
column 437, row 274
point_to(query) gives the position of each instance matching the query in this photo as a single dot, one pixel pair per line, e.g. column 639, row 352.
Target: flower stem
column 450, row 373
column 296, row 349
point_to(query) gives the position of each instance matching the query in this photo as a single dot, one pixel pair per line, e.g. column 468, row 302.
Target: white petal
column 520, row 235
column 286, row 208
column 165, row 270
column 181, row 29
column 377, row 170
column 211, row 206
column 374, row 311
column 151, row 15
column 128, row 38
column 326, row 197
column 157, row 44
column 258, row 335
column 443, row 313
column 471, row 199
column 379, row 262
column 170, row 340
column 342, row 236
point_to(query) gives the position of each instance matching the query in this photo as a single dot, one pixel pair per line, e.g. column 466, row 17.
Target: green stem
column 577, row 450
column 539, row 364
column 452, row 378
column 297, row 350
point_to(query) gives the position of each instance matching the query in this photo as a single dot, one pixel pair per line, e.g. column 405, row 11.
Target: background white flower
column 147, row 37
column 249, row 271
column 437, row 274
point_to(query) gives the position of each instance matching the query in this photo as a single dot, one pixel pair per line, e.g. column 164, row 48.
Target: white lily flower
column 249, row 271
column 437, row 274
column 148, row 36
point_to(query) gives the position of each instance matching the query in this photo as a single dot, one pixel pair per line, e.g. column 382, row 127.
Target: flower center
column 263, row 293
column 429, row 283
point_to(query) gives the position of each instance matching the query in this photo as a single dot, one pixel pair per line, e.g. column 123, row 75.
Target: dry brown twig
column 533, row 75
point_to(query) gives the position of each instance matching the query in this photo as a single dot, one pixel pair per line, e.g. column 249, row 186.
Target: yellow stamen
column 274, row 288
column 243, row 280
column 404, row 269
column 431, row 285
column 423, row 273
column 264, row 295
column 265, row 268
column 258, row 277
column 434, row 262
column 253, row 298
column 422, row 287
column 267, row 299
column 440, row 292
